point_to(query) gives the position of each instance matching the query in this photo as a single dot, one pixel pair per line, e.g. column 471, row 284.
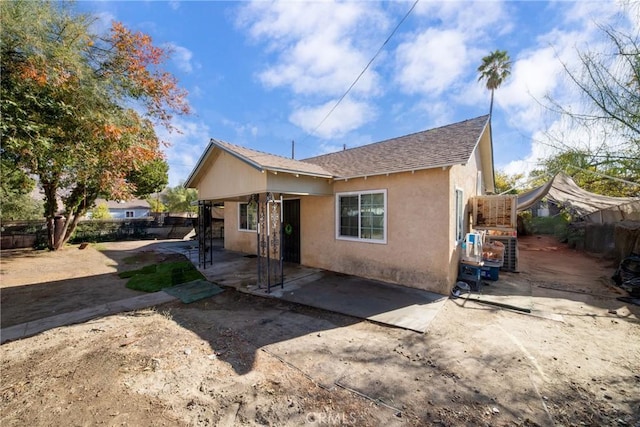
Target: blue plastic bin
column 490, row 273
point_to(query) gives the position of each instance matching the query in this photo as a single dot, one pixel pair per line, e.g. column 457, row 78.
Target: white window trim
column 459, row 213
column 360, row 239
column 246, row 230
column 133, row 214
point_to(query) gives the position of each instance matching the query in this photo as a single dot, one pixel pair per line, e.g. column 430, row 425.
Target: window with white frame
column 362, row 216
column 247, row 217
column 129, row 214
column 459, row 215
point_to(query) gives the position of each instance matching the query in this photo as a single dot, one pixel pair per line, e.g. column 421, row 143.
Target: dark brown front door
column 291, row 234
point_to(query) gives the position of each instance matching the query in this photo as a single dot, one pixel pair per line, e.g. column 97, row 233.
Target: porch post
column 281, row 240
column 205, row 233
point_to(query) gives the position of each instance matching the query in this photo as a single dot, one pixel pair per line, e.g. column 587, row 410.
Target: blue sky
column 261, row 74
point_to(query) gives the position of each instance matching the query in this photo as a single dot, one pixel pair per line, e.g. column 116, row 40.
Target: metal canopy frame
column 205, row 233
column 269, row 235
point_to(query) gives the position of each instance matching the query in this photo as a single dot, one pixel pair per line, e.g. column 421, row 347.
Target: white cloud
column 174, row 4
column 479, row 20
column 350, row 115
column 440, row 57
column 315, row 67
column 181, row 57
column 317, row 50
column 319, row 47
column 431, row 62
column 241, row 130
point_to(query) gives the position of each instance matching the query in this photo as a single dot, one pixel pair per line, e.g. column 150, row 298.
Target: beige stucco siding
column 421, row 249
column 300, row 185
column 464, row 177
column 228, row 177
column 235, row 239
column 416, row 252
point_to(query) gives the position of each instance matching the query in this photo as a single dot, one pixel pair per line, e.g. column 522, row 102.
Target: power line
column 366, row 67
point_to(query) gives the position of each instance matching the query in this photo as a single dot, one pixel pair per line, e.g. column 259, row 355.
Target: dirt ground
column 237, row 359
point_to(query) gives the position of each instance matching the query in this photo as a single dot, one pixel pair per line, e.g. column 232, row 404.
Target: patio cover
column 590, row 206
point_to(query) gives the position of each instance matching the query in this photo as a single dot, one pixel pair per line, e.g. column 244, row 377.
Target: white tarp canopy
column 581, row 203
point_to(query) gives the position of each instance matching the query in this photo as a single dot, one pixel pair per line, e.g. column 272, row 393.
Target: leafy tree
column 151, row 177
column 609, row 82
column 16, row 202
column 156, row 205
column 505, row 183
column 20, row 207
column 494, row 70
column 181, row 199
column 594, row 173
column 66, row 98
column 101, row 212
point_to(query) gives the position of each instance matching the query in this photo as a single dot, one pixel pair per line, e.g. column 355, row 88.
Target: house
column 395, row 210
column 120, row 209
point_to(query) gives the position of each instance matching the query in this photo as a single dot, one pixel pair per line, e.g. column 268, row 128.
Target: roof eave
column 299, row 172
column 238, row 156
column 443, row 165
column 487, row 126
column 214, row 144
column 196, row 169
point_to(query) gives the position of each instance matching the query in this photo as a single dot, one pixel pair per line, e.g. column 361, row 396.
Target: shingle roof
column 124, row 204
column 272, row 162
column 443, row 146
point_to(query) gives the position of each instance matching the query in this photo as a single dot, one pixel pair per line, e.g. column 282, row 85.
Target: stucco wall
column 421, row 250
column 464, row 177
column 228, row 177
column 289, row 183
column 234, row 239
column 416, row 252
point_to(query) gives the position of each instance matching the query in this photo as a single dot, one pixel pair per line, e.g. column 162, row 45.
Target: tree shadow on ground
column 43, row 298
column 398, row 369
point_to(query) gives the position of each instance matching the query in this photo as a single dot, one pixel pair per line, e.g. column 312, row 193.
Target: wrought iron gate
column 205, row 233
column 269, row 211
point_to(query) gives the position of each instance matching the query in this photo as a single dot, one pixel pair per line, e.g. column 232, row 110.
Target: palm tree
column 495, row 68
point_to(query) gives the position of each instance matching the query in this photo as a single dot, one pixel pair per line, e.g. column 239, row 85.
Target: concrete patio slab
column 386, row 303
column 381, row 302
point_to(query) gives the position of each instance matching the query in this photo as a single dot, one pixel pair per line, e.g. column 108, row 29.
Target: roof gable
column 440, row 147
column 444, row 146
column 259, row 160
column 271, row 162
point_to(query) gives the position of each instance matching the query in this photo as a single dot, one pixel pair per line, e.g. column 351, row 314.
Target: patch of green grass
column 155, row 277
column 144, row 270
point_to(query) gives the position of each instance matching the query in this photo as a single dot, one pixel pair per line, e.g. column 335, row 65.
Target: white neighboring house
column 135, row 208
